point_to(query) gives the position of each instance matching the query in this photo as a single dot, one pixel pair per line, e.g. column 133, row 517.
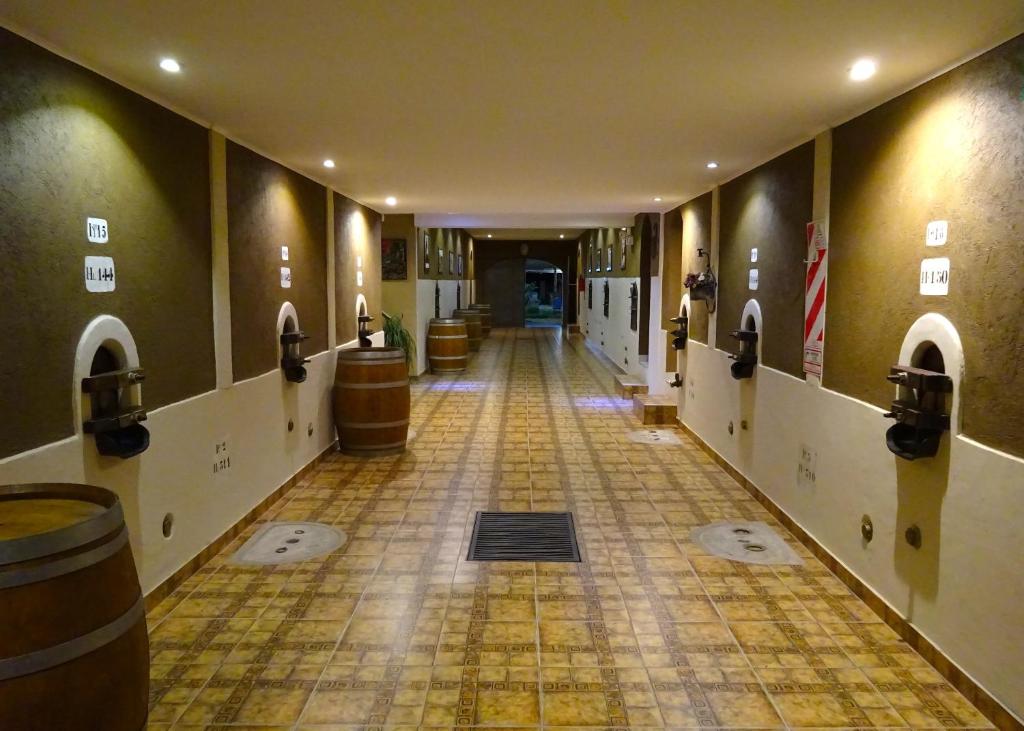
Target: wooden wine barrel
column 485, row 317
column 447, row 345
column 371, row 400
column 474, row 330
column 74, row 653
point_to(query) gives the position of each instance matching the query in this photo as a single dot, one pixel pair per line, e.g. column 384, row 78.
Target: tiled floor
column 396, row 628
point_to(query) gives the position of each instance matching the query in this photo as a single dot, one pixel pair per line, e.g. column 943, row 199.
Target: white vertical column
column 221, row 271
column 332, row 305
column 716, row 215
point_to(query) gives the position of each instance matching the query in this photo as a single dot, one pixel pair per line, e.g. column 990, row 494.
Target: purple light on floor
column 459, row 386
column 598, row 403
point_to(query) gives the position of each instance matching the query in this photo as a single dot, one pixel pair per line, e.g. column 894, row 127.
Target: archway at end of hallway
column 543, row 294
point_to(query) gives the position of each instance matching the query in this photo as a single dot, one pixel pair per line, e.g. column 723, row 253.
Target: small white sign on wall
column 286, row 277
column 99, row 274
column 753, row 255
column 937, row 233
column 96, row 230
column 221, row 457
column 284, row 253
column 752, row 281
column 935, row 276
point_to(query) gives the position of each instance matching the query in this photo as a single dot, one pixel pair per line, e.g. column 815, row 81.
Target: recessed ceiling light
column 863, row 69
column 657, row 199
column 561, row 236
column 170, row 65
column 328, row 163
column 712, row 165
column 490, row 236
column 391, row 200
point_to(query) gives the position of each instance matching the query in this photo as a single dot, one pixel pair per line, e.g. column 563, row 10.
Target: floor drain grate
column 748, row 542
column 279, row 542
column 523, row 537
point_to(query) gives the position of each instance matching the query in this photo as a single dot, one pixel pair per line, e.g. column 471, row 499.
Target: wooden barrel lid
column 41, row 519
column 385, row 354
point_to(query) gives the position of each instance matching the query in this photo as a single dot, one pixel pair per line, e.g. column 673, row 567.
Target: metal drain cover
column 748, row 542
column 277, row 543
column 523, row 537
column 654, row 436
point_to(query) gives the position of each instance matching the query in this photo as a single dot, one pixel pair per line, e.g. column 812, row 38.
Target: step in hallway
column 396, row 628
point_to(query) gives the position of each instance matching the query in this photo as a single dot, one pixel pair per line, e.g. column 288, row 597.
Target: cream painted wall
column 612, row 334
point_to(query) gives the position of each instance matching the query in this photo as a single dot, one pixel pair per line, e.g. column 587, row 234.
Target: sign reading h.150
column 935, row 276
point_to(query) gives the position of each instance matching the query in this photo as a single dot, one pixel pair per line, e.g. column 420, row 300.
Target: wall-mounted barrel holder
column 919, row 412
column 590, row 294
column 681, row 333
column 292, row 361
column 703, row 286
column 746, row 359
column 607, row 297
column 676, row 382
column 634, row 305
column 437, row 299
column 116, row 412
column 458, row 296
column 364, row 331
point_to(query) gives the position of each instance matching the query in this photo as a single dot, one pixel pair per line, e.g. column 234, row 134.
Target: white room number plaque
column 935, row 276
column 99, row 274
column 937, row 233
column 96, row 230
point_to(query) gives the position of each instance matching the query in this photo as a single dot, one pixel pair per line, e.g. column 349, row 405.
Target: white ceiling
column 525, row 234
column 535, row 112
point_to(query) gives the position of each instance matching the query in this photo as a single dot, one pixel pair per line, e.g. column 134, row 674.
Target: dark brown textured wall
column 767, row 208
column 356, row 234
column 270, row 206
column 952, row 149
column 74, row 145
column 671, row 273
column 696, row 234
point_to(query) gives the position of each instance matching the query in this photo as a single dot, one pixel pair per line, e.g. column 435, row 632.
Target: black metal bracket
column 680, row 335
column 920, row 419
column 364, row 331
column 746, row 359
column 115, row 417
column 292, row 361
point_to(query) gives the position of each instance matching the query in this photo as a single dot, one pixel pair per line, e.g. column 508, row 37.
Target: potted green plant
column 396, row 336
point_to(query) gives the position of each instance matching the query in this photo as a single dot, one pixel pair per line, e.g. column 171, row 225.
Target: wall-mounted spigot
column 607, row 297
column 680, row 334
column 590, row 294
column 634, row 299
column 292, row 361
column 437, row 299
column 676, row 382
column 364, row 331
column 919, row 412
column 458, row 296
column 116, row 413
column 746, row 359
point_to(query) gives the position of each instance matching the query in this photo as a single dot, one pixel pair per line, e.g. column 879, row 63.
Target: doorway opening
column 543, row 291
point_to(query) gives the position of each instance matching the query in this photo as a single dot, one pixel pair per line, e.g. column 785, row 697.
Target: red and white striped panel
column 814, row 298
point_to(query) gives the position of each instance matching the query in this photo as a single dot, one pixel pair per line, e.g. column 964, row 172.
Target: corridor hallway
column 396, row 628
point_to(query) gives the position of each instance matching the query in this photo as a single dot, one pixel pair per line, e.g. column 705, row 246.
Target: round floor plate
column 654, row 436
column 745, row 541
column 280, row 542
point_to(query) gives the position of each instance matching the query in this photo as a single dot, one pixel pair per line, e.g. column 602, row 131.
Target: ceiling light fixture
column 170, row 65
column 712, row 165
column 391, row 201
column 863, row 69
column 657, row 199
column 328, row 163
column 561, row 236
column 490, row 236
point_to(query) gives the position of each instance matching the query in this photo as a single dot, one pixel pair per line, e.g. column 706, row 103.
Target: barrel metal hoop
column 65, row 652
column 372, row 386
column 447, row 357
column 53, row 569
column 447, row 337
column 62, row 539
column 378, row 425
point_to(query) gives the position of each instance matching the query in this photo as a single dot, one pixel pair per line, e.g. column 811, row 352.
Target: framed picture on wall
column 426, row 251
column 460, row 265
column 440, row 260
column 392, row 259
column 623, row 247
column 451, row 262
column 608, row 268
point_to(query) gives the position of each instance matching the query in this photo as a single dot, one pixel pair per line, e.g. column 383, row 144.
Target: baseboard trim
column 179, row 577
column 993, row 710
